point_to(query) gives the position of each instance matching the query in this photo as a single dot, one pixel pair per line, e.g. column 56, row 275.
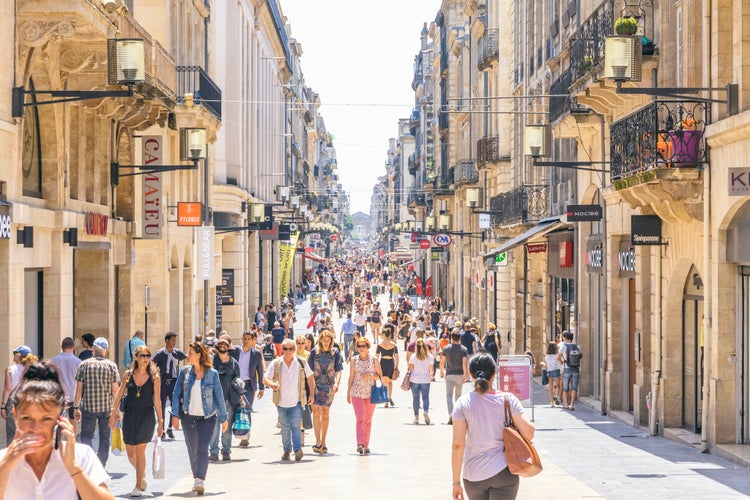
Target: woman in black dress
column 142, row 408
column 387, row 354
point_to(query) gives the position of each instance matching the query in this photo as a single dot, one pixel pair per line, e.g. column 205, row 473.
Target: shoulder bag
column 406, row 383
column 522, row 458
column 378, row 393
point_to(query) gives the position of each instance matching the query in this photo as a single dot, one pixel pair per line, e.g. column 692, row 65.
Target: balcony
column 560, row 106
column 525, row 204
column 442, row 121
column 587, row 44
column 444, row 184
column 465, row 173
column 658, row 154
column 413, row 164
column 414, row 122
column 488, row 150
column 416, row 198
column 488, row 49
column 194, row 81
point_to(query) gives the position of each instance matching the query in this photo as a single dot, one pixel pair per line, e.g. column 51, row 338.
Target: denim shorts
column 553, row 373
column 570, row 375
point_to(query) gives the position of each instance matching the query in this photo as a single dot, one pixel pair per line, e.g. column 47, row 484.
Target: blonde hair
column 420, row 349
column 328, row 334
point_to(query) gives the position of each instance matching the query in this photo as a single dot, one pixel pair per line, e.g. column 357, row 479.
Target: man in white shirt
column 360, row 319
column 286, row 375
column 67, row 362
column 322, row 318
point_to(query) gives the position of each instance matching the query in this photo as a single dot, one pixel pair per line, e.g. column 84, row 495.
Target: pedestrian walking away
column 140, row 389
column 67, row 366
column 570, row 356
column 554, row 368
column 286, row 376
column 44, row 460
column 97, row 383
column 197, row 402
column 421, row 371
column 167, row 360
column 130, row 345
column 478, row 454
column 454, row 369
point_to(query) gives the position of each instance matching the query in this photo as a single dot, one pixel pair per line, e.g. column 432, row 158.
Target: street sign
column 584, row 213
column 424, row 244
column 442, row 239
column 501, row 259
column 515, row 375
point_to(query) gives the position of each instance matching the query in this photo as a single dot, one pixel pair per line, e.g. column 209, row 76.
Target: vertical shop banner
column 286, row 258
column 514, row 375
column 204, row 241
column 219, row 301
column 153, row 191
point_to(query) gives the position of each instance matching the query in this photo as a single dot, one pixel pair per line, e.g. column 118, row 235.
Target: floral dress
column 361, row 386
column 324, row 365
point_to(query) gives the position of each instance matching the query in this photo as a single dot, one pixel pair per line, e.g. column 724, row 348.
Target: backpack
column 572, row 355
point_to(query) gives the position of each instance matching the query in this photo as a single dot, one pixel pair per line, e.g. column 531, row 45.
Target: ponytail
column 482, row 369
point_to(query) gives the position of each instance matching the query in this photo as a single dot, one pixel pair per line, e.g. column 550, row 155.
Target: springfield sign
column 153, row 191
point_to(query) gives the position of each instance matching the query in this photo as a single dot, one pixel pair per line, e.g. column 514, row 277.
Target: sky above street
column 359, row 57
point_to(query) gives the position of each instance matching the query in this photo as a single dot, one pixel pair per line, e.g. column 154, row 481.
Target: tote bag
column 378, row 393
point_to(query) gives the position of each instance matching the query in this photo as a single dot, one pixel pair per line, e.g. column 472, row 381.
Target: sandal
column 323, row 450
column 316, row 448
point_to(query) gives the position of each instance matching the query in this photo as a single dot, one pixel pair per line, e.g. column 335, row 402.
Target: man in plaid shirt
column 97, row 382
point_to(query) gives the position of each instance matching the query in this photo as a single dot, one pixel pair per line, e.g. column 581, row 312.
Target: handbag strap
column 508, row 413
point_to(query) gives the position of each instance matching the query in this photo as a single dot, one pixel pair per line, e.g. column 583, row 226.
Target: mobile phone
column 57, row 437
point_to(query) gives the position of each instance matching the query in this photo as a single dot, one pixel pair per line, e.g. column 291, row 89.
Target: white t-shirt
column 56, row 481
column 360, row 319
column 484, row 454
column 420, row 374
column 196, row 400
column 552, row 362
column 289, row 396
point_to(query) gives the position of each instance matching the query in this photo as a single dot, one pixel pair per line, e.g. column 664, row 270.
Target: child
column 268, row 348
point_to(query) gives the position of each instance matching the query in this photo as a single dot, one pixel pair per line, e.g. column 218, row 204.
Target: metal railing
column 488, row 49
column 444, row 183
column 416, row 197
column 524, row 204
column 194, row 80
column 560, row 106
column 587, row 43
column 662, row 134
column 488, row 150
column 465, row 172
column 413, row 163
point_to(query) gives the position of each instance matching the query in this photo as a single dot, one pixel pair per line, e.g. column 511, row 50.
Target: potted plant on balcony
column 588, row 61
column 626, row 25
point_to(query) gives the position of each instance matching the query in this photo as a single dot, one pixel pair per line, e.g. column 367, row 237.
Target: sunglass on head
column 287, row 348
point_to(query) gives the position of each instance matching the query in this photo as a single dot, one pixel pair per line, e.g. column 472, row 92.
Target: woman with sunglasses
column 362, row 375
column 327, row 364
column 197, row 402
column 142, row 407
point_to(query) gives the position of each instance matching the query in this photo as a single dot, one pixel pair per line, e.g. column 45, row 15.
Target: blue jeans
column 197, row 432
column 89, row 422
column 226, row 437
column 424, row 390
column 291, row 434
column 570, row 379
column 348, row 339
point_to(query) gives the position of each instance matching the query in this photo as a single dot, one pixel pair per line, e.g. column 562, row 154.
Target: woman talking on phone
column 44, row 461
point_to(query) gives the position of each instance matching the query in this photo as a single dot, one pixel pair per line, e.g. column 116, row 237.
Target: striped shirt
column 97, row 376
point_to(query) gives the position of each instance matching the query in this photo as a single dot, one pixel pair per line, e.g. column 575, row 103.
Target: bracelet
column 76, row 473
column 457, row 483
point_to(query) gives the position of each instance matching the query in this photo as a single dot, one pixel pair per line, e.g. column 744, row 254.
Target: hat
column 89, row 338
column 101, row 343
column 22, row 350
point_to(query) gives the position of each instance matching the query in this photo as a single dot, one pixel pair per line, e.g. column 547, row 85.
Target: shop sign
column 442, row 239
column 227, row 287
column 96, row 224
column 566, row 253
column 188, row 213
column 435, row 255
column 594, row 257
column 739, row 181
column 205, row 239
column 501, row 259
column 270, row 234
column 285, row 232
column 219, row 301
column 645, row 230
column 484, row 221
column 626, row 260
column 584, row 213
column 424, row 244
column 152, row 188
column 5, row 227
column 536, row 247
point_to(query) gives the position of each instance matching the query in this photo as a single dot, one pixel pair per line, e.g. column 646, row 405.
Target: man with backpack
column 570, row 354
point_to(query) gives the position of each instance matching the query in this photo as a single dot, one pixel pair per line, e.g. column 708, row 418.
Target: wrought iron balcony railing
column 444, row 183
column 194, row 80
column 413, row 163
column 587, row 44
column 524, row 204
column 414, row 122
column 442, row 120
column 488, row 150
column 560, row 106
column 662, row 134
column 416, row 197
column 488, row 49
column 465, row 173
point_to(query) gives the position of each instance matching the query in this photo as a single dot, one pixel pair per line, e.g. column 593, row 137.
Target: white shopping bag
column 157, row 464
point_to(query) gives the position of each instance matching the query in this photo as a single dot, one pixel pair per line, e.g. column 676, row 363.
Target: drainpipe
column 707, row 240
column 605, row 269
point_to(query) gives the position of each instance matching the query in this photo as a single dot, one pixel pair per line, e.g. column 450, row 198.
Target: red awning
column 315, row 257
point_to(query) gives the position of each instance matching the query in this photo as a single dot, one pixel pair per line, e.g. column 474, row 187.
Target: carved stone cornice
column 37, row 33
column 83, row 59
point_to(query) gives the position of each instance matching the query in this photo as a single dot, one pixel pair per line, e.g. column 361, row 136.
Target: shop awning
column 544, row 226
column 315, row 257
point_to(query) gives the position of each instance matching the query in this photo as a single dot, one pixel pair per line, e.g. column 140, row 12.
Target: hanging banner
column 286, row 258
column 428, row 287
column 152, row 219
column 204, row 239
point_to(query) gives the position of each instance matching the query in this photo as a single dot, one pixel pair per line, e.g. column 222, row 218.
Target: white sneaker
column 200, row 486
column 135, row 493
column 144, row 484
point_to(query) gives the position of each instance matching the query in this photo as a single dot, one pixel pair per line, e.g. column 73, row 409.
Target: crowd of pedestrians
column 387, row 335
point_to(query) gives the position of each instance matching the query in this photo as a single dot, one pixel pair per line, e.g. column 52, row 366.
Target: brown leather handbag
column 522, row 458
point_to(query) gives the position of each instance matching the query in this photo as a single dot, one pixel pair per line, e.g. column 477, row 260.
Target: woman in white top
column 478, row 448
column 44, row 461
column 554, row 371
column 12, row 378
column 421, row 372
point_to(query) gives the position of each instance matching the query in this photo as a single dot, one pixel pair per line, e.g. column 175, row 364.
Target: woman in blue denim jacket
column 196, row 407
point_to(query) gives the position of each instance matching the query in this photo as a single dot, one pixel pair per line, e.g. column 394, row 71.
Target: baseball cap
column 101, row 343
column 23, row 350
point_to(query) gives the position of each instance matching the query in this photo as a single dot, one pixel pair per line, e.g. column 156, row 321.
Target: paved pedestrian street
column 585, row 455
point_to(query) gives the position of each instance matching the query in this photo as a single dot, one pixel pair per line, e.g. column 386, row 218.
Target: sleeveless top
column 142, row 396
column 361, row 387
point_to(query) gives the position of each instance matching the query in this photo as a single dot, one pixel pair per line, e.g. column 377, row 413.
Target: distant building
column 362, row 226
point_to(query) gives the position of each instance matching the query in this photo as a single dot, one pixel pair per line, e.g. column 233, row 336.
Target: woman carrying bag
column 421, row 373
column 364, row 370
column 478, row 447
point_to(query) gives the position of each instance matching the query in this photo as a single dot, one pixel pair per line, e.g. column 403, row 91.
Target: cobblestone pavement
column 585, row 455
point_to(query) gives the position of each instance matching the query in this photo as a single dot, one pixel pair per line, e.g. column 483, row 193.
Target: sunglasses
column 287, row 348
column 144, row 355
column 361, row 345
